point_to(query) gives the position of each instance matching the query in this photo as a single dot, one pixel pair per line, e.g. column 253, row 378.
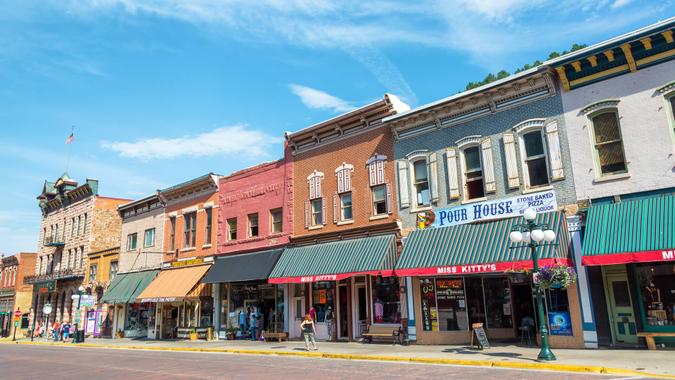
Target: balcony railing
column 54, row 241
column 59, row 275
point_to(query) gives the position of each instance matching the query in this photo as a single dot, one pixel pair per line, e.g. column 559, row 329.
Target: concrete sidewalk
column 659, row 363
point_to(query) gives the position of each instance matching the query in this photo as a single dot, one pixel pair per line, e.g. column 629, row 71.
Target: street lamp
column 534, row 235
column 78, row 296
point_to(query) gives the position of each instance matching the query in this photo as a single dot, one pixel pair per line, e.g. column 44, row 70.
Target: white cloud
column 230, row 140
column 620, row 3
column 318, row 99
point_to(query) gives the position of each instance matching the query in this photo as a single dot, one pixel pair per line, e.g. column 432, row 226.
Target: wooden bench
column 275, row 335
column 649, row 337
column 379, row 331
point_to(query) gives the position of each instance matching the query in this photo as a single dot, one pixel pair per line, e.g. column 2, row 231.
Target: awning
column 336, row 260
column 175, row 284
column 126, row 287
column 630, row 232
column 478, row 248
column 244, row 267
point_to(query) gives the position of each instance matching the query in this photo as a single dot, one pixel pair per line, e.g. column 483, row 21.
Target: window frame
column 384, row 200
column 280, row 212
column 94, row 271
column 131, row 236
column 172, row 239
column 112, row 274
column 250, row 226
column 230, row 231
column 594, row 146
column 525, row 170
column 189, row 229
column 413, row 181
column 670, row 105
column 208, row 228
column 145, row 237
column 462, row 163
column 319, row 222
column 343, row 207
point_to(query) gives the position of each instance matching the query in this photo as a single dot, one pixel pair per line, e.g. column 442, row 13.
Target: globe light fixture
column 516, row 236
column 549, row 235
column 526, row 237
column 529, row 214
column 537, row 235
column 81, row 288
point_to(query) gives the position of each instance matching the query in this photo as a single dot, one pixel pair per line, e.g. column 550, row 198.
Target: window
column 386, row 300
column 149, row 238
column 253, row 225
column 172, row 238
column 344, row 178
column 232, row 229
column 56, row 233
column 609, row 152
column 79, row 225
column 114, row 266
column 317, row 212
column 93, row 268
column 84, row 224
column 473, row 173
column 380, row 200
column 671, row 103
column 209, row 225
column 346, row 207
column 536, row 168
column 421, row 183
column 189, row 229
column 657, row 294
column 314, row 183
column 276, row 221
column 44, row 236
column 131, row 241
column 72, row 227
column 376, row 169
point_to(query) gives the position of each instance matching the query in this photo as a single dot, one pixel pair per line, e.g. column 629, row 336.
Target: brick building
column 15, row 295
column 345, row 232
column 467, row 167
column 254, row 225
column 76, row 220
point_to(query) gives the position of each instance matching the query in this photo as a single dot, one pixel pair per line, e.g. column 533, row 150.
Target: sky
column 162, row 91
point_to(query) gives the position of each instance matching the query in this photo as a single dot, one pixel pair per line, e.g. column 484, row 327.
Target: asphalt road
column 53, row 363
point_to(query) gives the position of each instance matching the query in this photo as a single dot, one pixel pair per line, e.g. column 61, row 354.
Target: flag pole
column 69, row 141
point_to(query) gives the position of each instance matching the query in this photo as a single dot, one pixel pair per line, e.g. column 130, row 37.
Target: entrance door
column 299, row 314
column 361, row 309
column 343, row 310
column 621, row 315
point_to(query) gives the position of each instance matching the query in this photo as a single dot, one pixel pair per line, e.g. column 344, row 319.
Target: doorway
column 297, row 309
column 619, row 300
column 361, row 312
column 523, row 305
column 343, row 312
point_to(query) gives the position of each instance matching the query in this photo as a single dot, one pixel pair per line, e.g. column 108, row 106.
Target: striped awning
column 126, row 287
column 478, row 248
column 630, row 231
column 176, row 284
column 336, row 260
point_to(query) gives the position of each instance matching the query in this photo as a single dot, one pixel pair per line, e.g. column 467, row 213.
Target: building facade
column 15, row 296
column 618, row 103
column 343, row 203
column 76, row 220
column 254, row 225
column 467, row 167
column 102, row 268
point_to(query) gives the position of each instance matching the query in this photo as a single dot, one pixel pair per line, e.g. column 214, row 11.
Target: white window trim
column 412, row 159
column 462, row 164
column 377, row 161
column 340, row 208
column 599, row 176
column 522, row 129
column 317, row 178
column 311, row 213
column 372, row 201
column 667, row 96
column 346, row 171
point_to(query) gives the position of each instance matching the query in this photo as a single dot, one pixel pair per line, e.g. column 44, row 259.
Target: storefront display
column 657, row 288
column 264, row 301
column 386, row 299
column 138, row 318
column 323, row 296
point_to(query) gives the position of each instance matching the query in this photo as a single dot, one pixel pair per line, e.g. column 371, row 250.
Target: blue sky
column 164, row 91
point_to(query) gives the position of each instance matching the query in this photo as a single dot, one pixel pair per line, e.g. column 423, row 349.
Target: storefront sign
column 478, row 268
column 87, row 301
column 560, row 323
column 542, row 202
column 186, row 263
column 158, row 299
column 44, row 287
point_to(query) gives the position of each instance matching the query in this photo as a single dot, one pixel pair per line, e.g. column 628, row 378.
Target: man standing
column 329, row 322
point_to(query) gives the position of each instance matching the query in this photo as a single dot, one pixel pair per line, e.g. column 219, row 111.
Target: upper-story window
column 534, row 156
column 671, row 104
column 79, row 225
column 252, row 225
column 380, row 190
column 608, row 146
column 149, row 238
column 343, row 200
column 209, row 225
column 93, row 270
column 72, row 227
column 84, row 224
column 232, row 229
column 421, row 182
column 276, row 221
column 473, row 173
column 132, row 241
column 314, row 207
column 190, row 229
column 172, row 233
column 114, row 267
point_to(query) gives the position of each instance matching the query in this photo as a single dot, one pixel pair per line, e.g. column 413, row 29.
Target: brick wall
column 176, row 207
column 259, row 189
column 355, row 150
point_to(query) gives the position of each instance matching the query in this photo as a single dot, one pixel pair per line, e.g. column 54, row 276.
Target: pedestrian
column 309, row 331
column 252, row 323
column 56, row 330
column 329, row 322
column 312, row 313
column 65, row 331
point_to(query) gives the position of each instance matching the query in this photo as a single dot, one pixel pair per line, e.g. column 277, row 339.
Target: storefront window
column 657, row 287
column 498, row 302
column 558, row 312
column 386, row 300
column 206, row 315
column 474, row 299
column 323, row 295
column 224, row 310
column 138, row 316
column 266, row 300
column 428, row 301
column 451, row 304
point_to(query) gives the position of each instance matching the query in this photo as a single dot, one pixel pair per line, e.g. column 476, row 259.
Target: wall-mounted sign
column 44, row 287
column 544, row 201
column 185, row 263
column 560, row 323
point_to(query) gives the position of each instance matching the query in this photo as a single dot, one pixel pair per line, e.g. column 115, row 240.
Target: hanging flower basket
column 555, row 277
column 519, row 276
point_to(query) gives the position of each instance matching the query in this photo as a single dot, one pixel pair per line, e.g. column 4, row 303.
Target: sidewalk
column 658, row 363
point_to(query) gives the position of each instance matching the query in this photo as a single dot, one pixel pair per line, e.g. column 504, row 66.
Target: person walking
column 56, row 330
column 65, row 331
column 252, row 323
column 329, row 322
column 309, row 331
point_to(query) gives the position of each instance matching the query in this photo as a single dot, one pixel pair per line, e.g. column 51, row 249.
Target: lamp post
column 533, row 234
column 80, row 290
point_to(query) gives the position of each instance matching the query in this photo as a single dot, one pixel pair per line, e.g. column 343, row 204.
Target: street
column 40, row 362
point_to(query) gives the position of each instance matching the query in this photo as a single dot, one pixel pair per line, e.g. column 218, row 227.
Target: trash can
column 79, row 336
column 209, row 333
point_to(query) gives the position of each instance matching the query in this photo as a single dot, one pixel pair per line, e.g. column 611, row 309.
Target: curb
column 459, row 362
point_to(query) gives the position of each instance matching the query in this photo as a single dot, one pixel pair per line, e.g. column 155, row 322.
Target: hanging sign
column 44, row 287
column 541, row 202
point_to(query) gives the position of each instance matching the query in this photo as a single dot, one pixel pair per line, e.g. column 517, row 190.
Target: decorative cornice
column 607, row 103
column 518, row 128
column 417, row 153
column 468, row 140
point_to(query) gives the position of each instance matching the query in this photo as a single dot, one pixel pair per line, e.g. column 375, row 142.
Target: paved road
column 53, row 363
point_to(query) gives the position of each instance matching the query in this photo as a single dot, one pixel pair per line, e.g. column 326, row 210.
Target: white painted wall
column 645, row 128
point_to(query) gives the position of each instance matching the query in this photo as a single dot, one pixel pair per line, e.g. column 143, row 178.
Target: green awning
column 336, row 260
column 630, row 231
column 126, row 287
column 478, row 247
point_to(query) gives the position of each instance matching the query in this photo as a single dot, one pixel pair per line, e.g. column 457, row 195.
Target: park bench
column 649, row 337
column 275, row 335
column 381, row 331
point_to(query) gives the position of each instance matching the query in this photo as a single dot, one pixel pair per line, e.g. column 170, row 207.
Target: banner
column 495, row 209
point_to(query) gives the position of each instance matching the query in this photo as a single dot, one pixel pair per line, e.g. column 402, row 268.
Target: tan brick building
column 345, row 233
column 14, row 294
column 75, row 221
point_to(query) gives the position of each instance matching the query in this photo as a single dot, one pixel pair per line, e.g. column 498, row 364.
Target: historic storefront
column 131, row 319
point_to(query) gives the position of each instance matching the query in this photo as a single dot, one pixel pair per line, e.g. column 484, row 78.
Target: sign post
column 17, row 318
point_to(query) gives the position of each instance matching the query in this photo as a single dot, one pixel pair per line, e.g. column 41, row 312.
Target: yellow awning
column 175, row 284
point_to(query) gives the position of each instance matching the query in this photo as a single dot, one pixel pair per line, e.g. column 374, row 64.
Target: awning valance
column 630, row 231
column 126, row 287
column 175, row 284
column 478, row 248
column 244, row 267
column 336, row 260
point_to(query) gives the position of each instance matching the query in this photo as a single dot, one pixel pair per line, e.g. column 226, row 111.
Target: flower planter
column 194, row 336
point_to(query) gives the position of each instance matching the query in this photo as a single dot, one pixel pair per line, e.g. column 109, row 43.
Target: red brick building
column 14, row 294
column 345, row 231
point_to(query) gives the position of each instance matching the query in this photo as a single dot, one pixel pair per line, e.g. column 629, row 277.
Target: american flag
column 70, row 138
